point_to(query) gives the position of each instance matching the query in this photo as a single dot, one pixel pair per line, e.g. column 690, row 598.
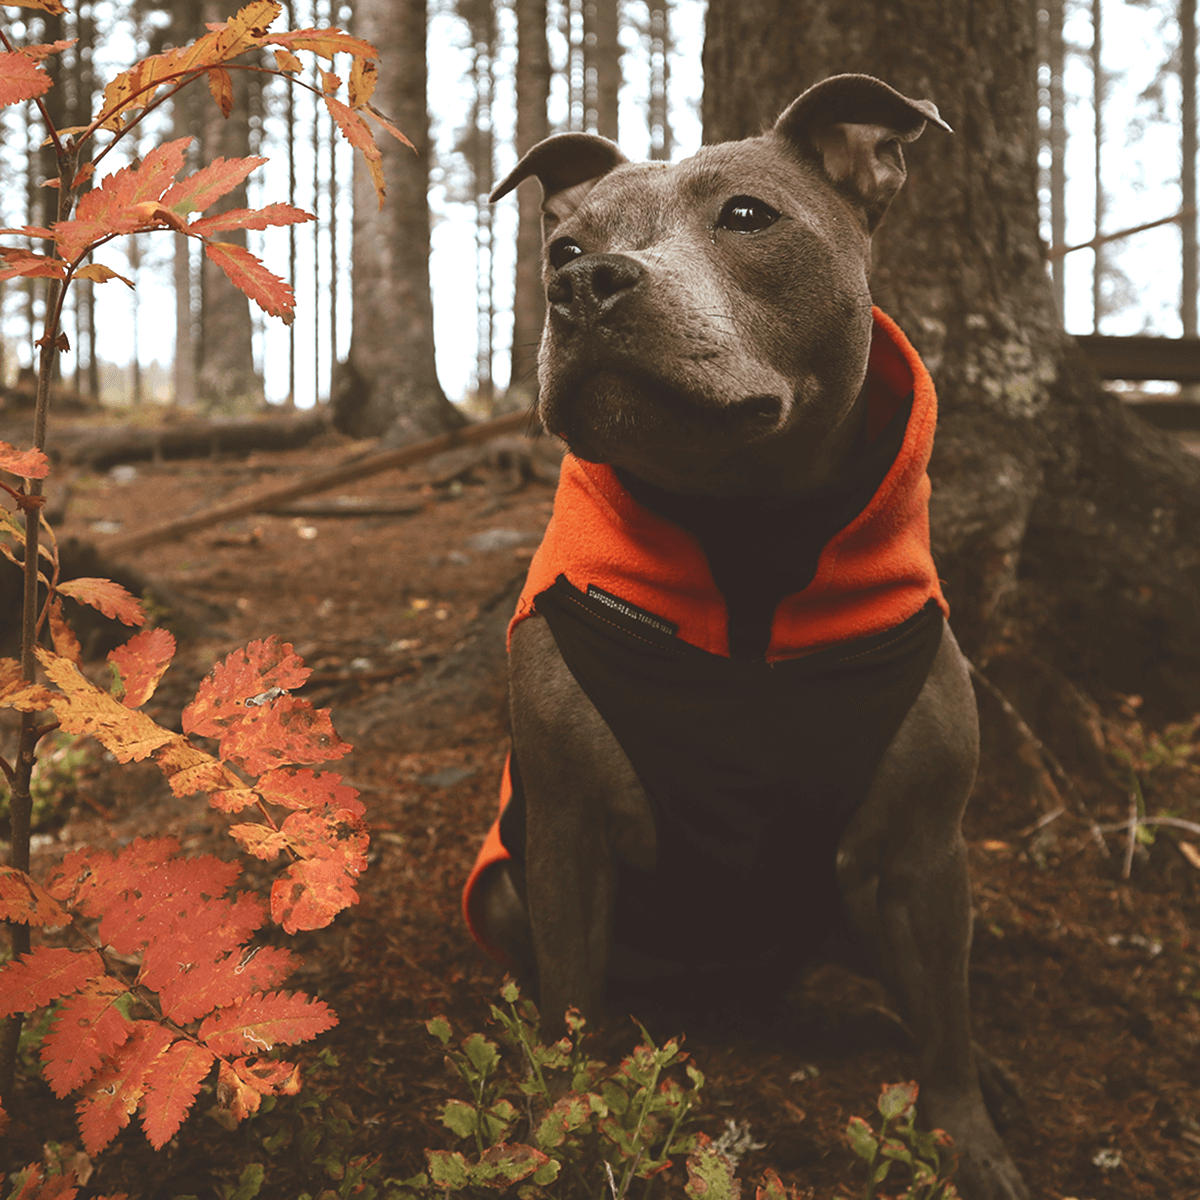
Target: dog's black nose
column 589, row 287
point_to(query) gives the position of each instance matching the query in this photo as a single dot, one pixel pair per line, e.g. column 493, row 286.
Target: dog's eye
column 746, row 214
column 562, row 251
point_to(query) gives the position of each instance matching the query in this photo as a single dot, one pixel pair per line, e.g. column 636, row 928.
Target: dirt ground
column 1086, row 987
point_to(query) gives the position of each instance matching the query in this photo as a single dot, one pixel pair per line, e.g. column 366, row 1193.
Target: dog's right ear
column 568, row 166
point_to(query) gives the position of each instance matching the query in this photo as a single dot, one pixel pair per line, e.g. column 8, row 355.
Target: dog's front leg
column 902, row 867
column 584, row 806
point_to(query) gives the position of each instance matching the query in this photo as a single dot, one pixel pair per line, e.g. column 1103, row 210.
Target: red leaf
column 299, row 788
column 29, row 464
column 260, row 840
column 86, row 1028
column 315, row 835
column 141, row 663
column 258, row 1023
column 57, row 1187
column 28, row 903
column 310, row 893
column 250, row 218
column 325, row 42
column 20, row 76
column 43, row 975
column 91, row 879
column 197, row 993
column 248, row 275
column 29, row 265
column 222, row 698
column 110, row 598
column 172, row 1083
column 202, row 936
column 210, row 183
column 113, row 1096
column 282, row 731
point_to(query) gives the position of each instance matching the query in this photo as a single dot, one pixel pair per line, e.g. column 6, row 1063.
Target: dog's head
column 708, row 322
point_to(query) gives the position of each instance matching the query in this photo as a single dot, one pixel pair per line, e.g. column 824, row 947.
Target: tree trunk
column 602, row 65
column 1063, row 526
column 529, row 301
column 226, row 370
column 1187, row 166
column 658, row 108
column 389, row 382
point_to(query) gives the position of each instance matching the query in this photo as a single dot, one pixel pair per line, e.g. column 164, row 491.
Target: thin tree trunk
column 1187, row 168
column 1098, row 145
column 602, row 65
column 1056, row 57
column 1061, row 524
column 658, row 115
column 390, row 381
column 533, row 124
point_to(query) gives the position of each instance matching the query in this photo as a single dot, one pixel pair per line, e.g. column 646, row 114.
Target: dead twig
column 1064, row 781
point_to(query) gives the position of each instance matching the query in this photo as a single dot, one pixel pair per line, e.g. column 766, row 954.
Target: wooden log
column 322, row 481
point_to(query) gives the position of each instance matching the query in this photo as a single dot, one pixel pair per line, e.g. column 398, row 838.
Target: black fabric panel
column 761, row 551
column 753, row 771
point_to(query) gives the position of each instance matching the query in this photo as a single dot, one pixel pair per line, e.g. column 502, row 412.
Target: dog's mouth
column 610, row 412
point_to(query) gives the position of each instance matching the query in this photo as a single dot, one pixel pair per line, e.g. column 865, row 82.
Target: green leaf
column 896, row 1098
column 573, row 1111
column 892, row 1149
column 510, row 992
column 249, row 1184
column 484, row 1055
column 710, row 1176
column 460, row 1118
column 448, row 1169
column 440, row 1028
column 861, row 1139
column 504, row 1165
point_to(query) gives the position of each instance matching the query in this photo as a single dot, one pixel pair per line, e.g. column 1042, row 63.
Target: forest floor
column 1086, row 986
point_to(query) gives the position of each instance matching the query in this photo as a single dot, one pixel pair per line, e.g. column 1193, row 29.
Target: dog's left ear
column 568, row 166
column 852, row 127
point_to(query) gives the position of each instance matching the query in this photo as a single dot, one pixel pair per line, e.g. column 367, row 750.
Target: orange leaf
column 65, row 641
column 26, row 264
column 222, row 698
column 29, row 464
column 380, row 119
column 57, row 1187
column 313, row 835
column 172, row 1084
column 86, row 879
column 233, row 800
column 330, row 82
column 28, row 903
column 259, row 1023
column 242, row 1083
column 21, row 78
column 85, row 708
column 325, row 42
column 299, row 788
column 116, row 205
column 282, row 731
column 110, row 598
column 310, row 893
column 286, row 61
column 50, row 6
column 260, row 840
column 250, row 218
column 247, row 274
column 43, row 975
column 87, row 1027
column 363, row 75
column 16, row 693
column 141, row 663
column 200, row 189
column 194, row 994
column 358, row 133
column 221, row 87
column 189, row 770
column 99, row 273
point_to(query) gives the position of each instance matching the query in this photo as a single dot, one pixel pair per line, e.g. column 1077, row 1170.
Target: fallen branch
column 322, row 481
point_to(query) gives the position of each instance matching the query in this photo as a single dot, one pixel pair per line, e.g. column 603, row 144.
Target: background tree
column 389, row 382
column 1065, row 528
column 658, row 110
column 601, row 66
column 529, row 302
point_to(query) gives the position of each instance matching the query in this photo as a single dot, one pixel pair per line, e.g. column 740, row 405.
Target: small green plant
column 54, row 782
column 588, row 1130
column 899, row 1141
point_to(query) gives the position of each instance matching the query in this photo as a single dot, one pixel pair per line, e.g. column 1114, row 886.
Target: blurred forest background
column 1117, row 121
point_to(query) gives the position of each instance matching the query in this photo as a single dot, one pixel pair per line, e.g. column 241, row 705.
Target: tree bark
column 1064, row 527
column 602, row 65
column 226, row 368
column 529, row 301
column 389, row 383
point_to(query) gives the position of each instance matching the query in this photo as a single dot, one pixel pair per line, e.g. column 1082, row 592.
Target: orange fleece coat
column 871, row 576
